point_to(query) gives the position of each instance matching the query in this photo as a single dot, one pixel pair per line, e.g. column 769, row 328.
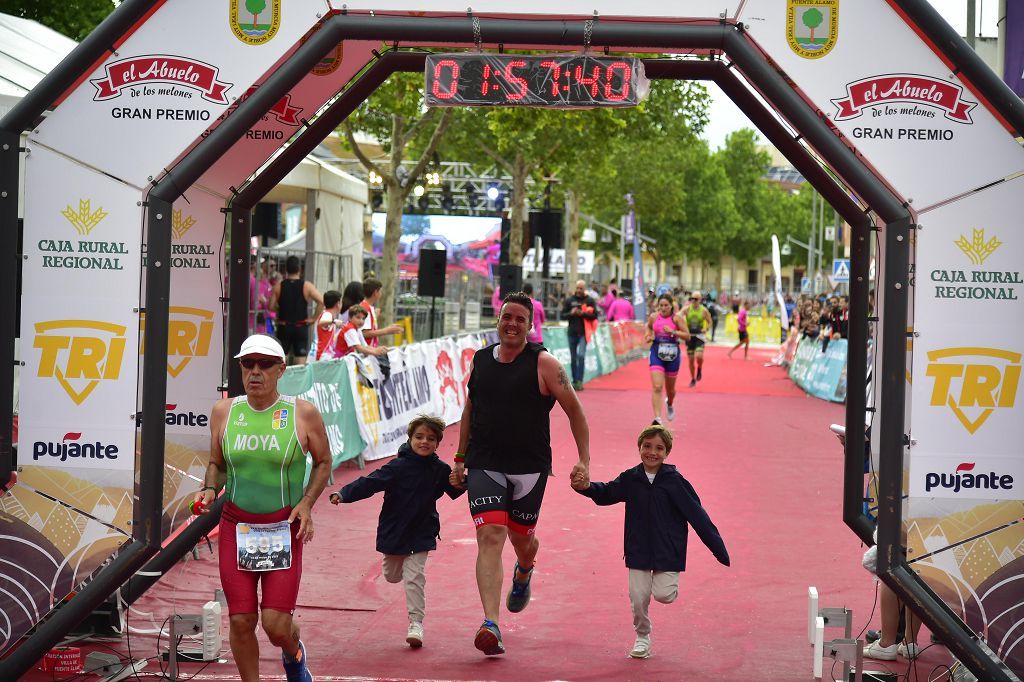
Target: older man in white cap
column 258, row 451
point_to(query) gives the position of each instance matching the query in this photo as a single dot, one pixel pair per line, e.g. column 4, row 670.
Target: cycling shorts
column 665, row 357
column 510, row 500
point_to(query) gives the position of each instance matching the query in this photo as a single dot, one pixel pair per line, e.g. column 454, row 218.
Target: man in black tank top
column 504, row 455
column 290, row 300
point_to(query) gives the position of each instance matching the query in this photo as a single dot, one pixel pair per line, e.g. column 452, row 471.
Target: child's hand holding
column 580, row 481
column 456, row 481
column 335, row 498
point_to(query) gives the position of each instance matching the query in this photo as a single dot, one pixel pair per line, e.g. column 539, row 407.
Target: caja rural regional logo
column 973, row 382
column 79, row 354
column 188, row 336
column 255, row 22
column 812, row 27
column 84, row 219
column 977, row 249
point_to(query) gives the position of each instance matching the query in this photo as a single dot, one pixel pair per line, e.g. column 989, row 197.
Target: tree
column 255, row 7
column 394, row 115
column 812, row 19
column 73, row 19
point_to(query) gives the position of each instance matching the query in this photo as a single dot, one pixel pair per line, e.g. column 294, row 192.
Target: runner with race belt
column 698, row 319
column 665, row 329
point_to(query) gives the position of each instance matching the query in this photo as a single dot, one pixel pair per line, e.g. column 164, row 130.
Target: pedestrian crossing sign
column 841, row 270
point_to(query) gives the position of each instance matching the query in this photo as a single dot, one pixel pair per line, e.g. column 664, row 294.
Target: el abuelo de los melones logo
column 173, row 80
column 79, row 354
column 72, row 447
column 906, row 96
column 973, row 382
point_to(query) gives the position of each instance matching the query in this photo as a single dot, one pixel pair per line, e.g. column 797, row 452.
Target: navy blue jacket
column 412, row 485
column 657, row 515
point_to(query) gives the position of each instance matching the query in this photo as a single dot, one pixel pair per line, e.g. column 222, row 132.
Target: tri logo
column 80, row 354
column 973, row 382
column 188, row 336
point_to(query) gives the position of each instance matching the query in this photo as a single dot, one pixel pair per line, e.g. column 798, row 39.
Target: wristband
column 209, row 487
column 459, row 458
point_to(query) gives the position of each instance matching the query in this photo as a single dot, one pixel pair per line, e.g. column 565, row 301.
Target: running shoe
column 671, row 412
column 641, row 647
column 488, row 639
column 879, row 652
column 908, row 650
column 519, row 595
column 656, row 422
column 700, row 370
column 414, row 636
column 693, row 382
column 295, row 670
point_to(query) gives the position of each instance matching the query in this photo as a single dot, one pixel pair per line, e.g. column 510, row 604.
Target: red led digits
column 485, row 87
column 627, row 73
column 515, row 81
column 592, row 81
column 556, row 73
column 453, row 86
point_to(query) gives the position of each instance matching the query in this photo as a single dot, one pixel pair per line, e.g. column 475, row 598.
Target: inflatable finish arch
column 164, row 119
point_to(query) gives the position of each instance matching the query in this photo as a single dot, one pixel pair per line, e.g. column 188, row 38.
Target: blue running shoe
column 519, row 595
column 488, row 639
column 296, row 670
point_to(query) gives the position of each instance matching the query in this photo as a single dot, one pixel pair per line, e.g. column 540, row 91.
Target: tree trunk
column 572, row 241
column 389, row 262
column 518, row 215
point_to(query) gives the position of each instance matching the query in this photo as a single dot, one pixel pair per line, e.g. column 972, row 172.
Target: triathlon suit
column 509, row 453
column 266, row 470
column 292, row 324
column 665, row 356
column 694, row 318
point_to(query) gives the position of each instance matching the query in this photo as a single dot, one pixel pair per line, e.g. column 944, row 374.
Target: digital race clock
column 558, row 81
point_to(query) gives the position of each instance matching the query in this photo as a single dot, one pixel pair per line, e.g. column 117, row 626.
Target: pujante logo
column 85, row 219
column 161, row 69
column 962, row 478
column 904, row 88
column 253, row 22
column 977, row 249
column 812, row 27
column 188, row 336
column 80, row 354
column 974, row 382
column 69, row 447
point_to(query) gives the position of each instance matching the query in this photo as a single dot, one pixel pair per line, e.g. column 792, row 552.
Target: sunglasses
column 264, row 363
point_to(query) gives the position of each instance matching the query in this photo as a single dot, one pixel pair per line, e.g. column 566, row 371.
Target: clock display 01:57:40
column 556, row 81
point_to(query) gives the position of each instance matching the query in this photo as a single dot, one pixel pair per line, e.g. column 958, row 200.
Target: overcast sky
column 725, row 117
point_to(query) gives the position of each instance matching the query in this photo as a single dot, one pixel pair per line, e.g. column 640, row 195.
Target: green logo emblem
column 255, row 22
column 812, row 26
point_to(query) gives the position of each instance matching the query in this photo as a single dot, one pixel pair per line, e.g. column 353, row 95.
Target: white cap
column 261, row 344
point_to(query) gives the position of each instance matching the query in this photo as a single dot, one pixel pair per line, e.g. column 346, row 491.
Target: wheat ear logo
column 977, row 249
column 180, row 224
column 85, row 219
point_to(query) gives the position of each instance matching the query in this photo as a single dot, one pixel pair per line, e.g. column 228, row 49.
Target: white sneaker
column 908, row 650
column 671, row 412
column 641, row 647
column 415, row 635
column 879, row 652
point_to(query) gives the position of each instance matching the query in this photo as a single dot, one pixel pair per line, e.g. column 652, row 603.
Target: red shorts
column 280, row 588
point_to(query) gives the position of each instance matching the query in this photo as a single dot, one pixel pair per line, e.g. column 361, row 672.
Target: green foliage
column 73, row 19
column 254, row 7
column 812, row 18
column 401, row 95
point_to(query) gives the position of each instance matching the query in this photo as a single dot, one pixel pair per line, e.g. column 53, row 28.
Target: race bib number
column 264, row 546
column 667, row 352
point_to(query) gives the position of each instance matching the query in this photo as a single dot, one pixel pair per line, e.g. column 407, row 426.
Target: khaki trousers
column 662, row 585
column 410, row 569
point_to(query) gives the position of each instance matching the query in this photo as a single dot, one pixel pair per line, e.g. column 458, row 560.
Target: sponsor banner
column 628, row 340
column 287, row 115
column 605, row 349
column 972, row 476
column 821, row 374
column 894, row 104
column 326, row 385
column 760, row 328
column 1013, row 72
column 171, row 80
column 584, row 261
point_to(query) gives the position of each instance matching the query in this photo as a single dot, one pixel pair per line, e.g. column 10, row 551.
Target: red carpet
column 768, row 471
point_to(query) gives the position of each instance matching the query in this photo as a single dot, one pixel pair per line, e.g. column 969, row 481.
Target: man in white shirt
column 372, row 292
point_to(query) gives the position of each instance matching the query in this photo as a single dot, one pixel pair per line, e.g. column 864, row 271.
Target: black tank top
column 510, row 427
column 291, row 304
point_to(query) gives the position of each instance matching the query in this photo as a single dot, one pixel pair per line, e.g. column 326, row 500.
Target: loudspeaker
column 548, row 226
column 266, row 221
column 506, row 232
column 510, row 278
column 433, row 263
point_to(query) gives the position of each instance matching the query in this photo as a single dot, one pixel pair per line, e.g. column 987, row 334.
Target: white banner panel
column 79, row 319
column 170, row 80
column 284, row 119
column 968, row 355
column 195, row 332
column 556, row 264
column 904, row 111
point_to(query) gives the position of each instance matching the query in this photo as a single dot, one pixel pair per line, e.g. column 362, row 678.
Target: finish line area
column 749, row 440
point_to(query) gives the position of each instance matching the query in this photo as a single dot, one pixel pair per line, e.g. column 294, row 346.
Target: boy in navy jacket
column 659, row 505
column 408, row 525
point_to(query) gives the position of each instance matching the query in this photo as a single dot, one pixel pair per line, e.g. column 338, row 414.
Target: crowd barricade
column 366, row 416
column 760, row 328
column 822, row 374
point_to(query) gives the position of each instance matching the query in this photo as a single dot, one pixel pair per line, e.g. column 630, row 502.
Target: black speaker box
column 433, row 263
column 510, row 278
column 266, row 221
column 548, row 226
